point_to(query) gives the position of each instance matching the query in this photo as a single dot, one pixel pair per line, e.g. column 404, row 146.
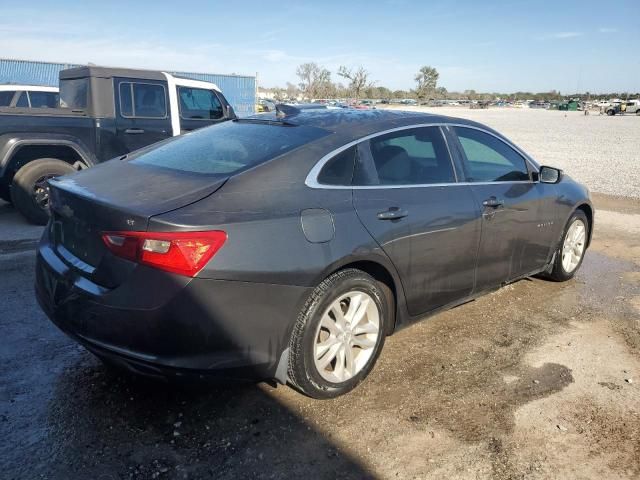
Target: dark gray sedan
column 288, row 246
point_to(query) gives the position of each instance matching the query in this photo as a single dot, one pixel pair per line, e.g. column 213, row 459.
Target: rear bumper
column 162, row 324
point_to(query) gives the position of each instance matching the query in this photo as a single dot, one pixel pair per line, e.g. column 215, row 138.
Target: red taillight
column 178, row 252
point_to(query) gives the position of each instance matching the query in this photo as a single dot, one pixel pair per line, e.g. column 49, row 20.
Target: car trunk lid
column 115, row 196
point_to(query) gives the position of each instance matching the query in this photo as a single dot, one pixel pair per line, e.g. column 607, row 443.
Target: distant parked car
column 289, row 246
column 481, row 104
column 539, row 104
column 28, row 96
column 632, row 106
column 409, row 101
column 264, row 105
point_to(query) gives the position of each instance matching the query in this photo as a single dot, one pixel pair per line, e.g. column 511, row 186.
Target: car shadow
column 107, row 424
column 66, row 415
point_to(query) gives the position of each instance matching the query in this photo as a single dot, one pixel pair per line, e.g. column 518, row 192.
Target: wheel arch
column 384, row 274
column 588, row 211
column 17, row 152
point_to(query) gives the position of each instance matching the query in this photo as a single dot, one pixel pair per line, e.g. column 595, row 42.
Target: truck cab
column 103, row 113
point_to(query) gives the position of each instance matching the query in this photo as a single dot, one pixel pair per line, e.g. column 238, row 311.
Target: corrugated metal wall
column 240, row 91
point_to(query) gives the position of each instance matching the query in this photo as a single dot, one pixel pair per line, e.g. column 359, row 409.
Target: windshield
column 73, row 93
column 227, row 148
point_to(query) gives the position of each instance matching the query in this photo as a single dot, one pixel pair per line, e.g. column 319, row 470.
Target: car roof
column 108, row 72
column 31, row 88
column 357, row 123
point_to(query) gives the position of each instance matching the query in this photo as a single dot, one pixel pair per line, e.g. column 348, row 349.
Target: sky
column 485, row 45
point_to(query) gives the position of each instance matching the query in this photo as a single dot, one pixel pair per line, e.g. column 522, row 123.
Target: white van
column 28, row 96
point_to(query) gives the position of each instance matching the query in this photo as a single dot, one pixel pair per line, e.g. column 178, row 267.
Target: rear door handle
column 394, row 213
column 134, row 131
column 493, row 202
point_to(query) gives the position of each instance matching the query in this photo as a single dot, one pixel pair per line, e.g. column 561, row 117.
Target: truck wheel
column 30, row 191
column 611, row 112
column 638, row 112
column 5, row 194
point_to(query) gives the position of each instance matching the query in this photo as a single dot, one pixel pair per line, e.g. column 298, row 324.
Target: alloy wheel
column 573, row 247
column 346, row 337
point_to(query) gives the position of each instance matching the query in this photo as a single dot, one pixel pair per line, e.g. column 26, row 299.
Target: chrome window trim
column 451, row 160
column 312, row 177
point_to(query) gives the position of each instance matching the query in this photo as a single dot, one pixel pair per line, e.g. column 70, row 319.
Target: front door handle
column 134, row 131
column 493, row 202
column 394, row 213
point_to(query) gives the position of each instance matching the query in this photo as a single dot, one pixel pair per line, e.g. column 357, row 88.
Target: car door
column 142, row 114
column 405, row 193
column 198, row 108
column 514, row 240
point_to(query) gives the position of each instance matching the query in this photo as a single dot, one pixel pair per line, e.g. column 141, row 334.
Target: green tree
column 427, row 80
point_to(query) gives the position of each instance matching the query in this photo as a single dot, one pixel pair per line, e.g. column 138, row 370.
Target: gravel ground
column 602, row 152
column 537, row 380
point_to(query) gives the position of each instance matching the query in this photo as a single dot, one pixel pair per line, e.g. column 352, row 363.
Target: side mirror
column 549, row 175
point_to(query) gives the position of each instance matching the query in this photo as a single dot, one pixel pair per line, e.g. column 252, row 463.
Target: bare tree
column 314, row 80
column 358, row 78
column 427, row 79
column 292, row 91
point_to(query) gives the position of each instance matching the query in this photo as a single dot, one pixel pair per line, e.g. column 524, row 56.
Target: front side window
column 416, row 156
column 143, row 100
column 199, row 104
column 489, row 159
column 5, row 98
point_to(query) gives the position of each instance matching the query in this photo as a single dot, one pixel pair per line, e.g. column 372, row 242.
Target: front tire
column 339, row 334
column 30, row 191
column 570, row 252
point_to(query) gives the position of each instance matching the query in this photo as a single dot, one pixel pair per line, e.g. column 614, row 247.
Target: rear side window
column 199, row 104
column 226, row 148
column 416, row 156
column 23, row 100
column 43, row 99
column 142, row 100
column 5, row 98
column 74, row 93
column 339, row 170
column 489, row 159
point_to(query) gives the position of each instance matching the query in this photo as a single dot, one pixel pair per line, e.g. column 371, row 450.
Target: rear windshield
column 227, row 148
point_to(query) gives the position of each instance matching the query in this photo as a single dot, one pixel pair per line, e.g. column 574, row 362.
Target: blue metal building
column 239, row 90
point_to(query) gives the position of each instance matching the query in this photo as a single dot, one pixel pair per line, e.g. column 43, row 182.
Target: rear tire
column 339, row 334
column 564, row 268
column 611, row 112
column 29, row 190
